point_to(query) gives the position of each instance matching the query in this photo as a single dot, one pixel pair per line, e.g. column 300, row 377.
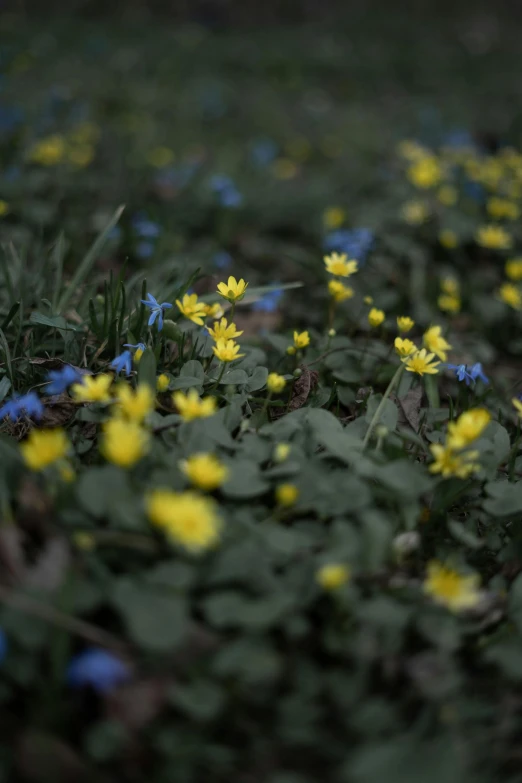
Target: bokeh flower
column 93, row 388
column 97, row 668
column 338, row 264
column 332, row 576
column 435, row 342
column 191, row 406
column 204, row 471
column 124, row 442
column 44, row 447
column 188, row 519
column 376, row 317
column 275, row 383
column 455, row 591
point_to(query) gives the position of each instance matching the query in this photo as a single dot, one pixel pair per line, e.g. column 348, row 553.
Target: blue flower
column 140, row 346
column 122, row 362
column 144, row 249
column 28, row 404
column 461, row 372
column 269, row 302
column 458, row 137
column 263, row 152
column 3, row 645
column 60, row 380
column 222, row 259
column 157, row 310
column 144, row 228
column 98, row 668
column 228, row 194
column 356, row 242
column 477, row 372
column 470, row 375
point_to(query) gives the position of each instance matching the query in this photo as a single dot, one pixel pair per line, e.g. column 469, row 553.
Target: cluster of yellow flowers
column 77, row 148
column 450, row 175
column 417, row 360
column 454, row 458
column 509, row 292
column 339, row 266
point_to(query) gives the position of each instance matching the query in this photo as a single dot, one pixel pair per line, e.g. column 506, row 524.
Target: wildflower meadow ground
column 260, row 417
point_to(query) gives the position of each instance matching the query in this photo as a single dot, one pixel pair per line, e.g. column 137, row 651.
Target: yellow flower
column 284, row 168
column 48, row 151
column 453, row 590
column 233, row 290
column 190, row 406
column 205, row 471
column 44, row 447
column 425, row 172
column 93, row 388
column 124, row 442
column 275, row 383
column 494, row 238
column 192, row 309
column 415, row 212
column 405, row 323
column 338, row 291
column 286, row 494
column 282, row 450
column 404, row 347
column 510, row 295
column 447, row 463
column 138, row 353
column 333, row 217
column 332, row 576
column 188, row 519
column 447, row 195
column 301, row 340
column 448, row 239
column 214, row 310
column 518, row 405
column 368, row 300
column 450, row 286
column 162, row 382
column 81, row 156
column 435, row 342
column 134, row 404
column 467, row 428
column 422, row 363
column 449, row 303
column 84, row 541
column 159, row 157
column 4, row 208
column 376, row 317
column 227, row 350
column 500, row 208
column 514, row 269
column 338, row 264
column 66, row 472
column 223, row 331
column 411, row 150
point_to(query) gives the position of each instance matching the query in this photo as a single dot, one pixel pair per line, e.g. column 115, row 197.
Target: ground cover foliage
column 260, row 408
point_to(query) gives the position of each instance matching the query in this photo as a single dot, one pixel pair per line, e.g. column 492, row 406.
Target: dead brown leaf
column 409, row 407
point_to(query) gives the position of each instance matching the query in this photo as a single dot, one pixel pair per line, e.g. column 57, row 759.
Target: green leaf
column 147, row 369
column 55, row 322
column 258, row 379
column 186, row 382
column 234, row 378
column 245, row 481
column 155, row 617
column 504, row 498
column 389, row 413
column 193, row 369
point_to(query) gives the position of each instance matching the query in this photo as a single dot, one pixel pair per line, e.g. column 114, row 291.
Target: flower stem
column 377, row 415
column 221, row 373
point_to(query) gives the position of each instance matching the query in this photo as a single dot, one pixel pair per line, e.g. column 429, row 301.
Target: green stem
column 221, row 373
column 377, row 415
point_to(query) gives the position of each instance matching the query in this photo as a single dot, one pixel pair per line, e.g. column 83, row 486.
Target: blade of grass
column 7, row 274
column 57, row 258
column 7, row 354
column 88, row 260
column 10, row 315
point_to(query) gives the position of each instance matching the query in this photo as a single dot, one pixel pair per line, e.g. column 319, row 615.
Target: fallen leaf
column 409, row 407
